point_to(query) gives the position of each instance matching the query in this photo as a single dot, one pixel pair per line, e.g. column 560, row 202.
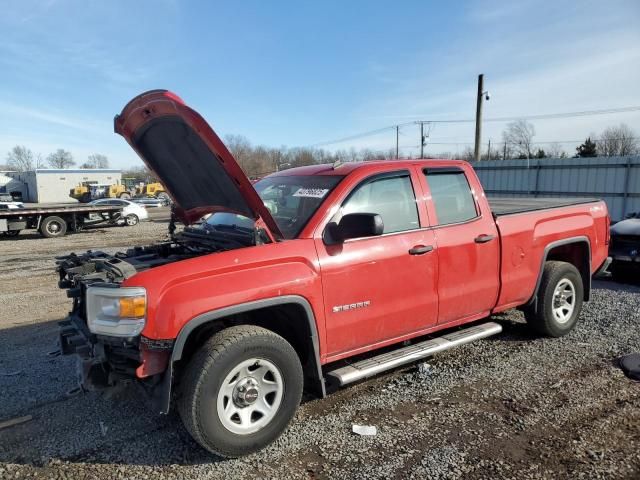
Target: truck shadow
column 59, row 424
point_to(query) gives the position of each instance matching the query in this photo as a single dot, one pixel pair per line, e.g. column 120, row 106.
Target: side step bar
column 386, row 361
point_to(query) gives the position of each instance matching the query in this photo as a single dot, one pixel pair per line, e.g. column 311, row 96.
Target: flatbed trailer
column 54, row 221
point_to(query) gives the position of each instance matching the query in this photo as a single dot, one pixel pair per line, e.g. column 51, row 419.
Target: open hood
column 190, row 160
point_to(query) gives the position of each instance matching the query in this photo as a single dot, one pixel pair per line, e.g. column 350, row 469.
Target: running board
column 372, row 366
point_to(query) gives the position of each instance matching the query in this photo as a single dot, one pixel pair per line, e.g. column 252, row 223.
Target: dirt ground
column 513, row 406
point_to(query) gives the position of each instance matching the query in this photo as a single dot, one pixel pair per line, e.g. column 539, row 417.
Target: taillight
column 607, row 235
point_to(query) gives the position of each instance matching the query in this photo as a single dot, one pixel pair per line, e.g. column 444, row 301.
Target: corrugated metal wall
column 614, row 179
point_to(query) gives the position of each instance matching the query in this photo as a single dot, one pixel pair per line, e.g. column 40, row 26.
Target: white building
column 54, row 185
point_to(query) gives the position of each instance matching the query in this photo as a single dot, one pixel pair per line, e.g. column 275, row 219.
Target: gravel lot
column 513, row 406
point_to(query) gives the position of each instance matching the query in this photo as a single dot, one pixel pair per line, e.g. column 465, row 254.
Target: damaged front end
column 105, row 323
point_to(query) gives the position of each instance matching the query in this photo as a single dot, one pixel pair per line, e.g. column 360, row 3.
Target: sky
column 306, row 73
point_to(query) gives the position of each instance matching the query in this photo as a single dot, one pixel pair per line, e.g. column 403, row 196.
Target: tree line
column 22, row 159
column 258, row 160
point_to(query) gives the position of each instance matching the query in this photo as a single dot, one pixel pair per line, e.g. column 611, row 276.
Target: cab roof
column 346, row 168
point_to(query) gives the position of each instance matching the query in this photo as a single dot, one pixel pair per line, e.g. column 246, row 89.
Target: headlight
column 120, row 312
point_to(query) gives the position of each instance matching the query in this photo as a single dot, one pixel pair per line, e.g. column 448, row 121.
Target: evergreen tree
column 587, row 149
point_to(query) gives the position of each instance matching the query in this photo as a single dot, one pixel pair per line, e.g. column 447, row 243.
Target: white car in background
column 132, row 212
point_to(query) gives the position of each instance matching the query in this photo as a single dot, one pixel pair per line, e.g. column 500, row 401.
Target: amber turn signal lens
column 132, row 307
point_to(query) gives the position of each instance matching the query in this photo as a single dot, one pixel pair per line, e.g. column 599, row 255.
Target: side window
column 451, row 196
column 390, row 197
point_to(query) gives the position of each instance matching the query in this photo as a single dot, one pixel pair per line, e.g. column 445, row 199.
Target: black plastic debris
column 630, row 365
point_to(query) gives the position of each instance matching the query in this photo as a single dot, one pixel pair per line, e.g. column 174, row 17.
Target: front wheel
column 240, row 390
column 559, row 298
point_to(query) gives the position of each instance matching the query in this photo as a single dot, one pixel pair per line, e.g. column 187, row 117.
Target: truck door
column 467, row 242
column 379, row 288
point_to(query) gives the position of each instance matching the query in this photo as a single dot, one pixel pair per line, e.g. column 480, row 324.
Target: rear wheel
column 125, row 196
column 85, row 198
column 131, row 220
column 164, row 197
column 53, row 227
column 559, row 300
column 240, row 390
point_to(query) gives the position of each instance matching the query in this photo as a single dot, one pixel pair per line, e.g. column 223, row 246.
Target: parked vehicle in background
column 88, row 191
column 625, row 248
column 153, row 190
column 82, row 191
column 298, row 281
column 151, row 202
column 55, row 221
column 132, row 212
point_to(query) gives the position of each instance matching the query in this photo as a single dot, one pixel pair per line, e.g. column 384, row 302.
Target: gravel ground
column 512, row 406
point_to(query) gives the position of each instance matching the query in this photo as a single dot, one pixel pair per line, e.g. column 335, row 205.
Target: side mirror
column 353, row 225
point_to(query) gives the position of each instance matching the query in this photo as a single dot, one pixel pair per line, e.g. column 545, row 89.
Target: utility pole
column 421, row 140
column 479, row 117
column 504, row 153
column 397, row 141
column 489, row 150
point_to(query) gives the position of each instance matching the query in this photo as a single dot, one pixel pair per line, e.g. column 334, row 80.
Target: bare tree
column 617, row 141
column 61, row 159
column 241, row 149
column 96, row 160
column 21, row 159
column 520, row 134
column 555, row 150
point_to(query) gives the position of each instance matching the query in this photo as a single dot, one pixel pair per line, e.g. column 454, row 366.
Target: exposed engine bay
column 101, row 267
column 105, row 360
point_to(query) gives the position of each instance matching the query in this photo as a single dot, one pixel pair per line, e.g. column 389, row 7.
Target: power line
column 540, row 142
column 546, row 116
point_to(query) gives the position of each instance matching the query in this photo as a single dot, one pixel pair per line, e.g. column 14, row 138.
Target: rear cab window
column 451, row 196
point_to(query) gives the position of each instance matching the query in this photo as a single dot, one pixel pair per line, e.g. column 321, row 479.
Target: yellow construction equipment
column 92, row 190
column 155, row 190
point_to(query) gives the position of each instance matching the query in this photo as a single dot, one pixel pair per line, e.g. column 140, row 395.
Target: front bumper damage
column 105, row 361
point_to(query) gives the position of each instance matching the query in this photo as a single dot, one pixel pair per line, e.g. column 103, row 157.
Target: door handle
column 420, row 249
column 484, row 238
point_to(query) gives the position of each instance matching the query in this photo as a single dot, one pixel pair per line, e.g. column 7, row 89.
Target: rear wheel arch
column 574, row 250
column 289, row 316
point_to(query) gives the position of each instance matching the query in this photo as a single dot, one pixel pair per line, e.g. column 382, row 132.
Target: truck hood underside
column 191, row 161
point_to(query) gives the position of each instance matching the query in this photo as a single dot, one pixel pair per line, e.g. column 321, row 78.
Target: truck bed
column 509, row 205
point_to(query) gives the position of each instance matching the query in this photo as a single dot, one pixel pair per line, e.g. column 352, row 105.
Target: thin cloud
column 54, row 118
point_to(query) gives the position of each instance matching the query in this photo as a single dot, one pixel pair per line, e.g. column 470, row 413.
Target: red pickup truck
column 311, row 278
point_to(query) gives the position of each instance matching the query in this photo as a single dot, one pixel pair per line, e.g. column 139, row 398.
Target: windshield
column 290, row 200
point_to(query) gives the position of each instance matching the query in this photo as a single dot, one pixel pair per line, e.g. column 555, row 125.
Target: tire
column 552, row 317
column 131, row 220
column 203, row 400
column 164, row 197
column 52, row 227
column 125, row 196
column 85, row 198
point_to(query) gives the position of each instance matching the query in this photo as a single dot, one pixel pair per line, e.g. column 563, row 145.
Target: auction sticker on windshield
column 311, row 192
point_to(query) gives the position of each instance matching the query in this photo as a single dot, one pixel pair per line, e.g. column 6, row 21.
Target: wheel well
column 287, row 320
column 579, row 255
